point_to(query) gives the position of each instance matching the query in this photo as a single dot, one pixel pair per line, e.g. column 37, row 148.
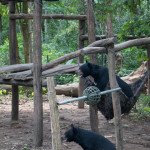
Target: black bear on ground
column 88, row 140
column 101, row 77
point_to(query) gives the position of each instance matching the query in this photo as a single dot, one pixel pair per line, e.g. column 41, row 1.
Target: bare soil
column 18, row 135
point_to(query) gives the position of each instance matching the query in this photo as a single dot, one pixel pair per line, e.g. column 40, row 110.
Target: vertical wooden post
column 12, row 53
column 113, row 85
column 37, row 80
column 148, row 67
column 81, row 60
column 93, row 59
column 54, row 115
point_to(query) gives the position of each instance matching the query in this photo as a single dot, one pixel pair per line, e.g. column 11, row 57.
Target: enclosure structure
column 29, row 74
column 25, row 78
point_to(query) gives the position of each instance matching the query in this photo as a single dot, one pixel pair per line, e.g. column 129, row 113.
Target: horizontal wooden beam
column 131, row 43
column 21, row 82
column 16, row 68
column 100, row 37
column 49, row 16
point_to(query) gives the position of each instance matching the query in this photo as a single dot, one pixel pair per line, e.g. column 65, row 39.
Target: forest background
column 60, row 37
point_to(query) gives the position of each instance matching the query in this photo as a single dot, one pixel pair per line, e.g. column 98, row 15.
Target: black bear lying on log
column 128, row 95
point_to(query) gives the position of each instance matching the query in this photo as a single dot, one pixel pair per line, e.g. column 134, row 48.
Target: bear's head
column 71, row 133
column 85, row 70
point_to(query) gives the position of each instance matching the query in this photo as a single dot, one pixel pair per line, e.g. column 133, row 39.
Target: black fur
column 101, row 77
column 88, row 140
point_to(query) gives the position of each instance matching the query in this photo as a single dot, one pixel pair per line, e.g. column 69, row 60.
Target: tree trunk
column 30, row 35
column 18, row 61
column 12, row 53
column 81, row 60
column 93, row 58
column 113, row 85
column 37, row 79
column 1, row 39
column 25, row 29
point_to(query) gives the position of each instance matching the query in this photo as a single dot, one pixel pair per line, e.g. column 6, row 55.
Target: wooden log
column 54, row 115
column 84, row 51
column 37, row 80
column 104, row 42
column 21, row 82
column 61, row 69
column 16, row 68
column 12, row 53
column 113, row 85
column 93, row 58
column 91, row 50
column 68, row 90
column 49, row 16
column 81, row 60
column 17, row 76
column 100, row 37
column 148, row 67
column 97, row 37
column 50, row 72
column 131, row 43
column 17, row 82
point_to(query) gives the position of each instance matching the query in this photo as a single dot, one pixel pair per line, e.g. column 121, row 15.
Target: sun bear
column 101, row 77
column 88, row 140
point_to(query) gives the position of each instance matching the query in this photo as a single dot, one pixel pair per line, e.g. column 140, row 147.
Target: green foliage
column 2, row 91
column 124, row 72
column 25, row 148
column 137, row 25
column 132, row 60
column 4, row 53
column 26, row 92
column 132, row 4
column 144, row 100
column 66, row 78
column 3, row 10
column 142, row 108
column 5, row 23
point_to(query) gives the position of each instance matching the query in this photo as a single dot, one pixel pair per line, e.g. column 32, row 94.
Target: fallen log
column 135, row 75
column 67, row 90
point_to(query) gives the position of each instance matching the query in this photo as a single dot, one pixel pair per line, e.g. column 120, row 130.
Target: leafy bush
column 142, row 108
column 144, row 100
column 132, row 60
column 4, row 53
column 66, row 78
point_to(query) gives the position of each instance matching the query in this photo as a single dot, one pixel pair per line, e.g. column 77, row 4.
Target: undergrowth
column 142, row 108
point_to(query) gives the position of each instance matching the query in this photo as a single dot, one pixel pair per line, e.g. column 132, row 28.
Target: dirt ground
column 18, row 135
